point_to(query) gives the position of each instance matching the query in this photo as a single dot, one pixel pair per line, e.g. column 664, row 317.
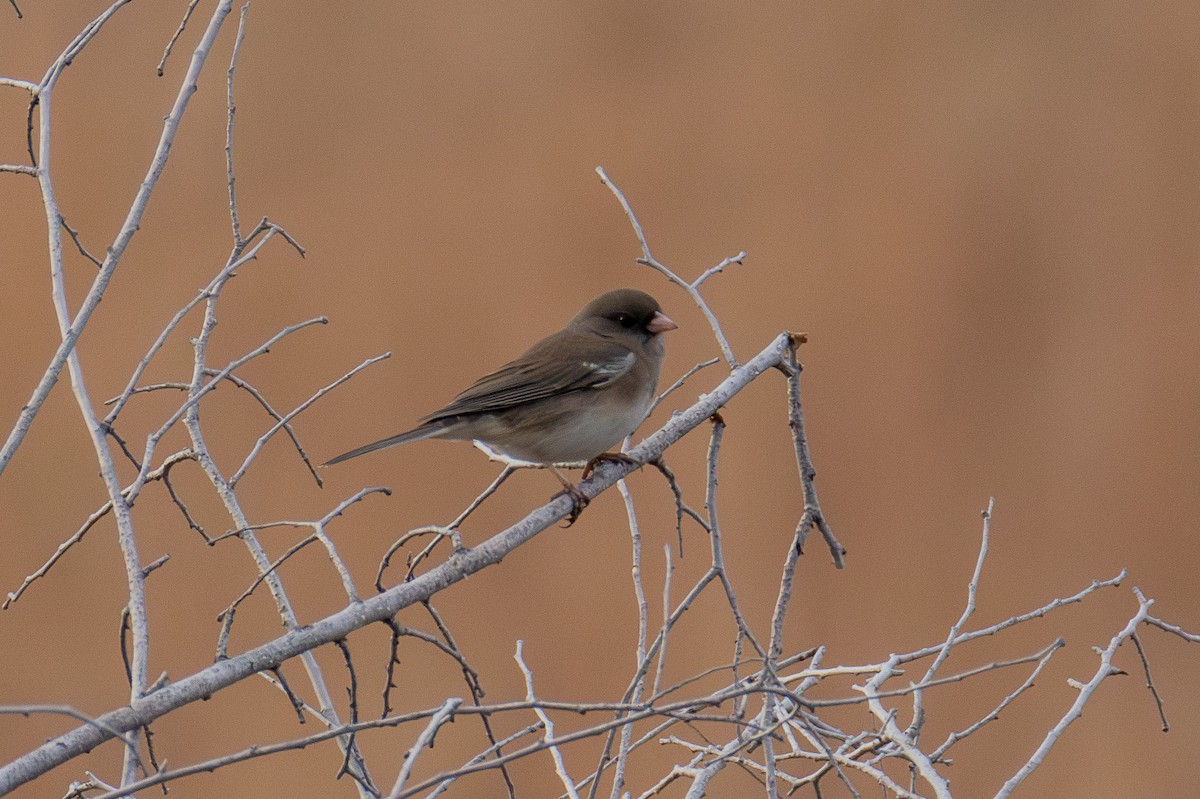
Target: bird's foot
column 611, row 457
column 579, row 501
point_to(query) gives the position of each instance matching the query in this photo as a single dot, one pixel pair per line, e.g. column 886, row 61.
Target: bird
column 569, row 398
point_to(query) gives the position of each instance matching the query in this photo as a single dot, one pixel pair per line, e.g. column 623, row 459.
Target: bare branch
column 74, row 325
column 918, row 720
column 560, row 767
column 812, row 514
column 693, row 288
column 63, row 710
column 1086, row 690
column 231, row 178
column 444, row 713
column 283, row 422
column 79, row 244
column 187, row 15
column 1137, row 642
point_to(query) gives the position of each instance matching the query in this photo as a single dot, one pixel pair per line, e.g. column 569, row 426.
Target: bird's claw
column 610, row 457
column 579, row 501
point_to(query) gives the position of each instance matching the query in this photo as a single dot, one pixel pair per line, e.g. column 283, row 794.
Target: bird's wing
column 567, row 361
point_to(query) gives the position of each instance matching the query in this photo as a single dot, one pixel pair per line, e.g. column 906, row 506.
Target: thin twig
column 1086, row 690
column 178, row 32
column 79, row 244
column 317, row 535
column 231, row 112
column 65, row 710
column 439, row 532
column 1137, row 643
column 938, row 755
column 285, row 420
column 668, row 572
column 445, row 712
column 87, row 525
column 812, row 514
column 560, row 768
column 693, row 288
column 718, row 552
column 678, row 384
column 918, row 720
column 639, row 594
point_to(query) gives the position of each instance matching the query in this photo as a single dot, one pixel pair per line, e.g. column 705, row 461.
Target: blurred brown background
column 985, row 217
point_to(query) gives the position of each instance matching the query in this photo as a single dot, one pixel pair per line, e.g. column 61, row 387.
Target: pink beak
column 661, row 323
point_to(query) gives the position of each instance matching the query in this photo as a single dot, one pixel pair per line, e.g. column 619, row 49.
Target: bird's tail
column 428, row 430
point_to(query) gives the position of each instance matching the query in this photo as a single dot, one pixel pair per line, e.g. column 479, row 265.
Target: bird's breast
column 571, row 427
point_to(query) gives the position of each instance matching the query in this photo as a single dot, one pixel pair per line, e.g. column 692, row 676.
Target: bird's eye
column 625, row 320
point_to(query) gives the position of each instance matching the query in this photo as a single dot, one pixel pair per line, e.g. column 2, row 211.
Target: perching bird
column 569, row 398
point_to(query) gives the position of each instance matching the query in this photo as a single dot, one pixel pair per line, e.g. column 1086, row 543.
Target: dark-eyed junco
column 570, row 397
